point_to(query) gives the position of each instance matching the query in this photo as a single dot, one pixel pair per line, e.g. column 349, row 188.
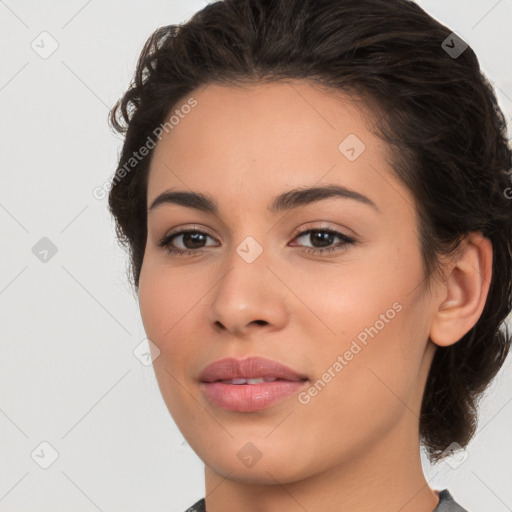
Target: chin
column 262, row 467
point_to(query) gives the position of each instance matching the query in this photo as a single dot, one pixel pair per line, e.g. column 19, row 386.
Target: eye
column 324, row 238
column 193, row 241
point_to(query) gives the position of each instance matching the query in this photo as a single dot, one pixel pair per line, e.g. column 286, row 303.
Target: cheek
column 173, row 304
column 166, row 296
column 168, row 303
column 376, row 335
column 365, row 381
column 361, row 298
column 154, row 304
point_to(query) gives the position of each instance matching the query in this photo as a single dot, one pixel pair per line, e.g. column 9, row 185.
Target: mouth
column 259, row 380
column 247, row 370
column 250, row 384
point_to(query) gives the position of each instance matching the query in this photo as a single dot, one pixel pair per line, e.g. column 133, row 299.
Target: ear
column 463, row 295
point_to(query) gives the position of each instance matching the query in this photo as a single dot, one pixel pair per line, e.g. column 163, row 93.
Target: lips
column 248, row 368
column 249, row 385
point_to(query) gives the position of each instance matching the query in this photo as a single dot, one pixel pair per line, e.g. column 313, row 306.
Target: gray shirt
column 446, row 504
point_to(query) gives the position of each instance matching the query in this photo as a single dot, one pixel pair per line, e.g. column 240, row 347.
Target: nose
column 248, row 297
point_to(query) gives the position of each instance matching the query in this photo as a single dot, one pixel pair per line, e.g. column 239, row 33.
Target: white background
column 69, row 326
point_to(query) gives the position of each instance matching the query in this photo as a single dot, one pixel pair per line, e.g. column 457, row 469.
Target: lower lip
column 250, row 397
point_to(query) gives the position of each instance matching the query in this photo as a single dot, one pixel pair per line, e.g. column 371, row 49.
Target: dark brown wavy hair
column 435, row 109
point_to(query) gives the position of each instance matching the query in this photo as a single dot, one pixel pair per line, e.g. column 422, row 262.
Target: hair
column 437, row 112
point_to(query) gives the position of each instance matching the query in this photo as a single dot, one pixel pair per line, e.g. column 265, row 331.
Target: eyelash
column 166, row 240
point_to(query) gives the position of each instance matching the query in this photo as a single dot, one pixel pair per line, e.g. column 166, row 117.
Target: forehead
column 255, row 140
column 281, row 114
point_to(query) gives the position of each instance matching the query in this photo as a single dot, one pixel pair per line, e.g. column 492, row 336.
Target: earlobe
column 464, row 293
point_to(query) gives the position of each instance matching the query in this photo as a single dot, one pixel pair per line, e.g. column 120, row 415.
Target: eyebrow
column 283, row 202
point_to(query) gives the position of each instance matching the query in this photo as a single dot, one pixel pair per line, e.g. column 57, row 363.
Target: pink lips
column 247, row 397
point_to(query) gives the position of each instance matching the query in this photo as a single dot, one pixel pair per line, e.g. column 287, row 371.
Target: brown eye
column 322, row 240
column 191, row 240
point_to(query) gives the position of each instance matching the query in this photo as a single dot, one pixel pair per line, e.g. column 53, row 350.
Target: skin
column 355, row 445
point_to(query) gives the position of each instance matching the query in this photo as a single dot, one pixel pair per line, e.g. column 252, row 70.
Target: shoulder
column 197, row 507
column 447, row 503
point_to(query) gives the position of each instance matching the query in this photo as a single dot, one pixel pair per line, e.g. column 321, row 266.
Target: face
column 330, row 285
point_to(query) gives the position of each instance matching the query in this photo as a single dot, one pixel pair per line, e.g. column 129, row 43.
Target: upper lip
column 249, row 368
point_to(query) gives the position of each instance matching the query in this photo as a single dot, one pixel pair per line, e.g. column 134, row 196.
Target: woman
column 313, row 197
